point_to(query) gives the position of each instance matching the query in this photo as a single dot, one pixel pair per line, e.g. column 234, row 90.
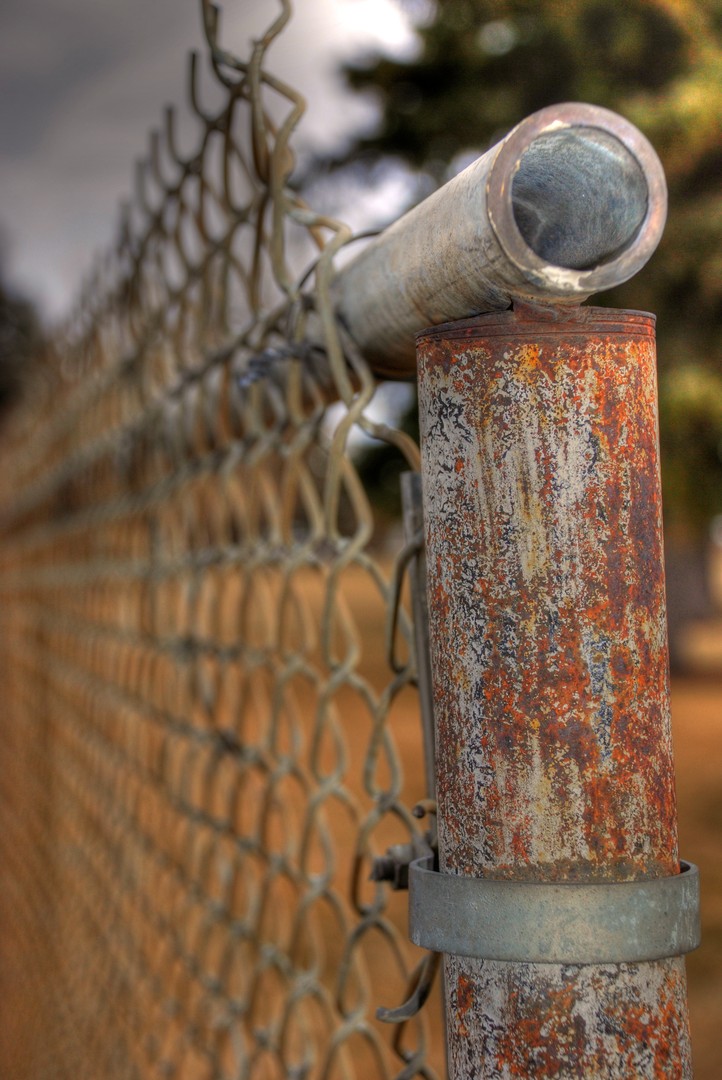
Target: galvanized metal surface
column 536, row 922
column 549, row 660
column 413, row 517
column 571, row 202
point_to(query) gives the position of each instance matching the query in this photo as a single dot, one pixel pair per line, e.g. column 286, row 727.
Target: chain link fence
column 203, row 745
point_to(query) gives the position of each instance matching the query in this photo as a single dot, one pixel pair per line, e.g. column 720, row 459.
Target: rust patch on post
column 549, row 656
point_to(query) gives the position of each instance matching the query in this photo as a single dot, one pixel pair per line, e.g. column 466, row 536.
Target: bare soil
column 697, row 723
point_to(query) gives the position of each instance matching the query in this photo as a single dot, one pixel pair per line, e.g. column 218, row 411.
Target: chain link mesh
column 203, row 746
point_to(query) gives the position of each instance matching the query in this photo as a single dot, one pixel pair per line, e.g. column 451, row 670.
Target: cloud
column 84, row 82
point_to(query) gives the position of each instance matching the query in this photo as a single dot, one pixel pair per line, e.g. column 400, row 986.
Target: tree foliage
column 20, row 343
column 483, row 65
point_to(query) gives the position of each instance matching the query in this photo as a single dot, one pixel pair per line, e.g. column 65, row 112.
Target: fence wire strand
column 202, row 746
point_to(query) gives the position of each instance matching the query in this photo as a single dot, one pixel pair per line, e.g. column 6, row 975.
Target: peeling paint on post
column 549, row 658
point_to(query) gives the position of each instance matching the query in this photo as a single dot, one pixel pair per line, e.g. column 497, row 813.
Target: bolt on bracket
column 538, row 922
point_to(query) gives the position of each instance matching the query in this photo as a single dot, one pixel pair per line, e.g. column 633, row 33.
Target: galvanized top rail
column 573, row 201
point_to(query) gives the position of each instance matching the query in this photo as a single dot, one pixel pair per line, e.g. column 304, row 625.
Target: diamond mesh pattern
column 202, row 745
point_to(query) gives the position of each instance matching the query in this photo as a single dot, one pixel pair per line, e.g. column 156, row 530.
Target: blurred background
column 403, row 94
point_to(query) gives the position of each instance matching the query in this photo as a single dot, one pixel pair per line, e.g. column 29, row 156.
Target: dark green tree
column 20, row 343
column 21, row 337
column 483, row 65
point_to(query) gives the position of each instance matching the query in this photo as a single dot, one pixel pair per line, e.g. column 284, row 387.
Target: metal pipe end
column 577, row 199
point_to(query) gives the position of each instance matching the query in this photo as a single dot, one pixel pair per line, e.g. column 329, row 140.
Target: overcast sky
column 83, row 81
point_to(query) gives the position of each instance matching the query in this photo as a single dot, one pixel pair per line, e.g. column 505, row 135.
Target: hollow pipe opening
column 579, row 197
column 577, row 200
column 572, row 201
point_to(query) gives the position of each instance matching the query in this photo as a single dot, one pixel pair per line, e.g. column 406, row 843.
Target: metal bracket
column 394, row 868
column 554, row 922
column 412, row 560
column 419, row 989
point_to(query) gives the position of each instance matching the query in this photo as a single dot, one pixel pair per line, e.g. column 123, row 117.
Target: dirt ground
column 697, row 720
column 697, row 725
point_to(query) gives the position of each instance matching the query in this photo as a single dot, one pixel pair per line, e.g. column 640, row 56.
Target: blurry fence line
column 203, row 746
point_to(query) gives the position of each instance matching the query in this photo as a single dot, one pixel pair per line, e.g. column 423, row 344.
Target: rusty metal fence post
column 550, row 673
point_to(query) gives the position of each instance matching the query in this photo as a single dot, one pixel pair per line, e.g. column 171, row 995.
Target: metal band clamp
column 554, row 922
